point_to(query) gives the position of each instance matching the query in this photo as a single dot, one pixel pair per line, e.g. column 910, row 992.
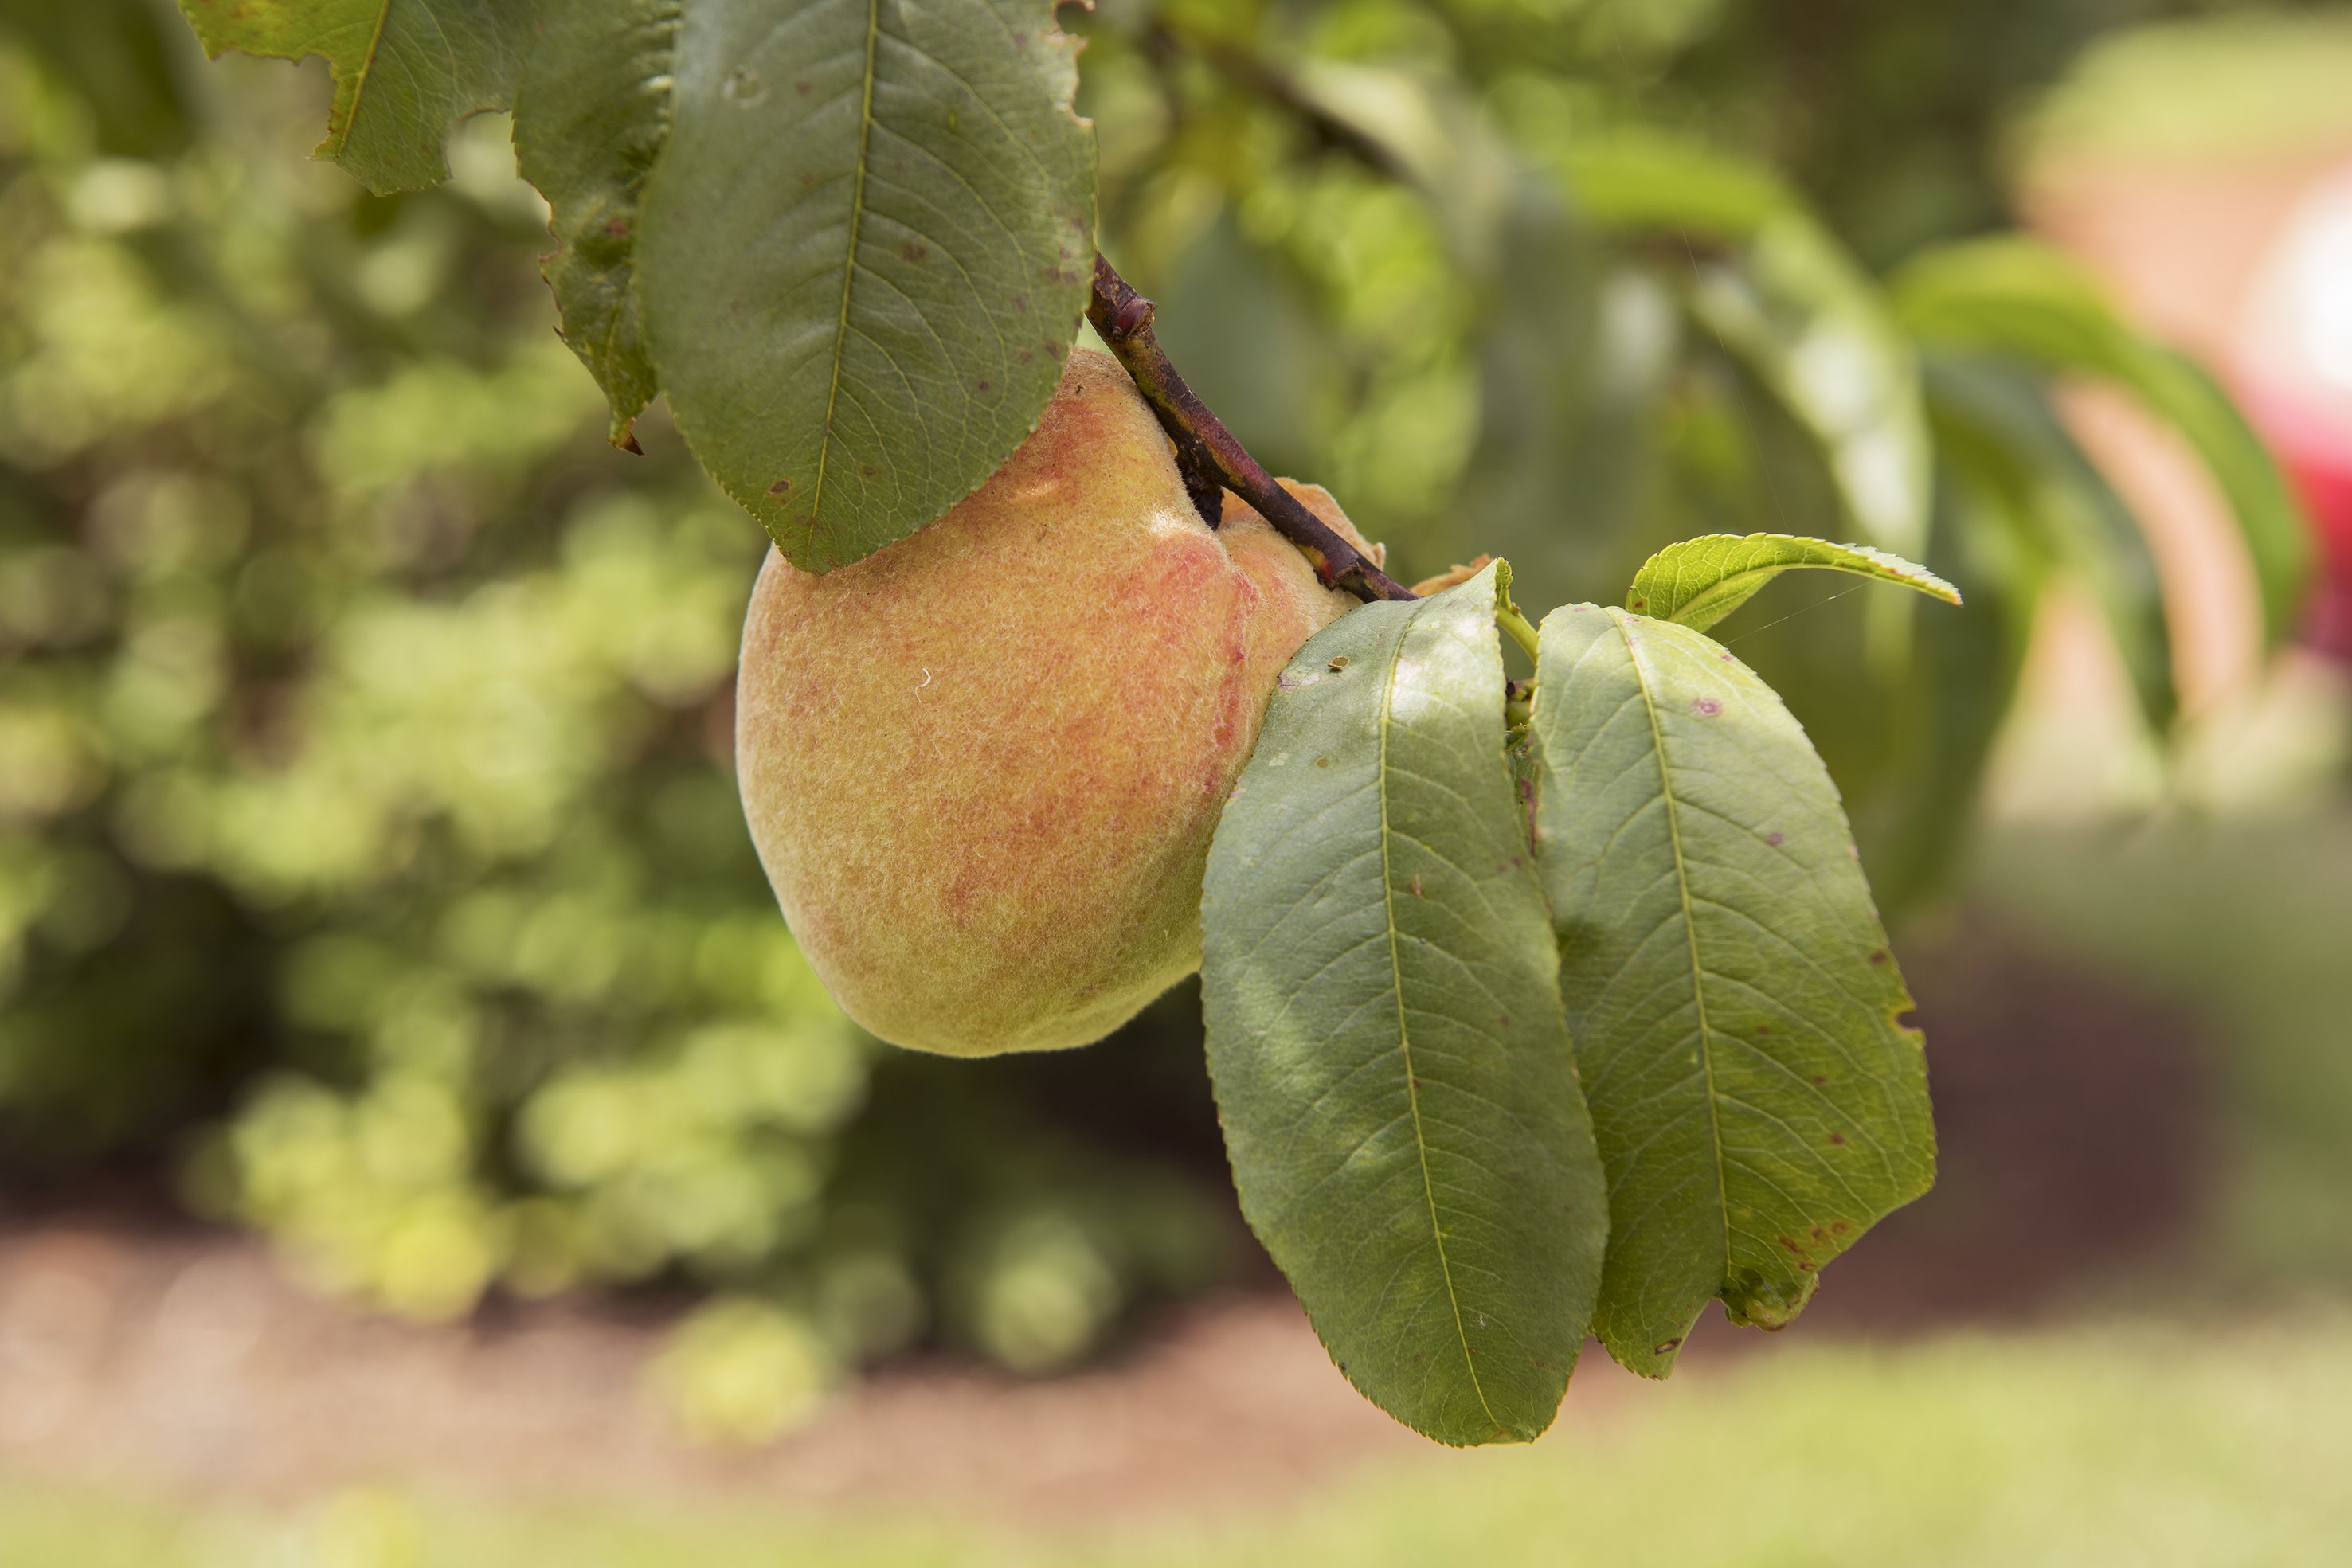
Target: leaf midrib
column 849, row 263
column 1404, row 1031
column 1690, row 924
column 360, row 80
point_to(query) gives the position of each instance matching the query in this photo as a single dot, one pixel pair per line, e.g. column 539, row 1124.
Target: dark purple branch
column 1206, row 451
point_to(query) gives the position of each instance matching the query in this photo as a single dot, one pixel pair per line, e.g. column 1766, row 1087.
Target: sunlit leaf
column 1643, row 179
column 1814, row 331
column 2004, row 440
column 1398, row 1091
column 1914, row 827
column 1697, row 582
column 2017, row 299
column 405, row 71
column 1758, row 1102
column 863, row 254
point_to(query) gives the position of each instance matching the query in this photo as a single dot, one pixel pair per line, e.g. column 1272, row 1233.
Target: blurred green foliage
column 368, row 851
column 368, row 848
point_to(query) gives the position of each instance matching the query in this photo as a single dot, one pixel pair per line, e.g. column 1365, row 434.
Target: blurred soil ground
column 147, row 1357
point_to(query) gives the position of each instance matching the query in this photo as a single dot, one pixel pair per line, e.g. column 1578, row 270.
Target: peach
column 982, row 765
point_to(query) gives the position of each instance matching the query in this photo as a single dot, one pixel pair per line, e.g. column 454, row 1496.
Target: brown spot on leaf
column 1837, row 1138
column 983, row 386
column 1775, row 838
column 1706, row 707
column 1322, row 762
column 1415, row 885
column 1878, row 956
column 804, row 89
column 1839, row 1227
column 912, row 252
column 780, row 487
column 1664, row 1345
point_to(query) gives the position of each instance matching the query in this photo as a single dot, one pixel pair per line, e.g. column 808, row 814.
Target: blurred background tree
column 370, row 867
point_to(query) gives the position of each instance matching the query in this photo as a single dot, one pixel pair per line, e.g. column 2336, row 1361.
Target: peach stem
column 1207, row 453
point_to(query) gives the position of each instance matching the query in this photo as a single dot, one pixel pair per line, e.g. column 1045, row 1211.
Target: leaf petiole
column 1513, row 620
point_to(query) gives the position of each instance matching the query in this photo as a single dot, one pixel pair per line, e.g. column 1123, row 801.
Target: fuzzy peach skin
column 982, row 765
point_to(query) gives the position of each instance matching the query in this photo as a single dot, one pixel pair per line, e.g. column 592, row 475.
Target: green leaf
column 1643, row 179
column 1697, row 582
column 1758, row 1102
column 851, row 239
column 405, row 71
column 2004, row 441
column 2017, row 299
column 863, row 254
column 591, row 108
column 1398, row 1091
column 1815, row 333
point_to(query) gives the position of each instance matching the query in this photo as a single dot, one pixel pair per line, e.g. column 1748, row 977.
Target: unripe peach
column 982, row 765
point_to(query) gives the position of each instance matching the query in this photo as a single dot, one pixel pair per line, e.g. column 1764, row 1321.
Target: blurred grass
column 2134, row 1444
